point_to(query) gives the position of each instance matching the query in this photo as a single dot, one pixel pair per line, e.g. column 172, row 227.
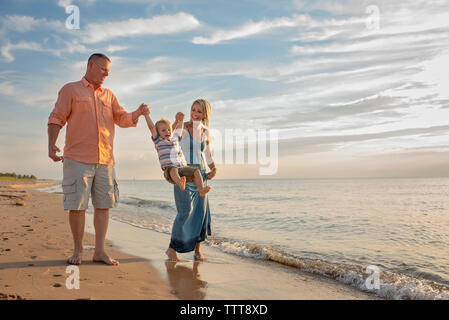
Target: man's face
column 99, row 69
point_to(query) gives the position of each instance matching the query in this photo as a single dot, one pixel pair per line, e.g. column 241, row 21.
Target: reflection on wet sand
column 185, row 281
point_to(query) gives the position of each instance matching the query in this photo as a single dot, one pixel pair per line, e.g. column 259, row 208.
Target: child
column 170, row 154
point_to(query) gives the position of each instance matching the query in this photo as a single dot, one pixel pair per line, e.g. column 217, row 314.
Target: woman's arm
column 209, row 157
column 212, row 173
column 178, row 119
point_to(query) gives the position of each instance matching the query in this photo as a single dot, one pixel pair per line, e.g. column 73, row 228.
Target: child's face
column 164, row 131
column 196, row 113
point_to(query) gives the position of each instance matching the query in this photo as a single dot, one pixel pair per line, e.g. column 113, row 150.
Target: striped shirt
column 169, row 152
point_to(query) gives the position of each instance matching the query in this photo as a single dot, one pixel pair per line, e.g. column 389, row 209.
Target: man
column 90, row 112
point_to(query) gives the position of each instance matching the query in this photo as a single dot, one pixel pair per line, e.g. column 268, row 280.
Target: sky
column 329, row 89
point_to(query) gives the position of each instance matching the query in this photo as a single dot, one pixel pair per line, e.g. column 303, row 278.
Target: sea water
column 335, row 228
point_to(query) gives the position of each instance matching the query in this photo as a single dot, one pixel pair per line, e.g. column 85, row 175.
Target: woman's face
column 196, row 113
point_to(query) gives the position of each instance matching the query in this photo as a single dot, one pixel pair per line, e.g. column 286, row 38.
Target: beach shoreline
column 33, row 263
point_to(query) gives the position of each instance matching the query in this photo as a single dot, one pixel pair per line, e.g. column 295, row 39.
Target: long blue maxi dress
column 193, row 222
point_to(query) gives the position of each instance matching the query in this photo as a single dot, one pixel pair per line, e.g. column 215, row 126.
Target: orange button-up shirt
column 90, row 116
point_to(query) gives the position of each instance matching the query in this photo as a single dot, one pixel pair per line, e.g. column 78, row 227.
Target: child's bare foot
column 182, row 183
column 204, row 191
column 171, row 253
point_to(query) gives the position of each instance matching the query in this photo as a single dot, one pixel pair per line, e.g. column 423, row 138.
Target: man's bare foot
column 204, row 191
column 182, row 183
column 105, row 258
column 76, row 258
column 198, row 256
column 172, row 255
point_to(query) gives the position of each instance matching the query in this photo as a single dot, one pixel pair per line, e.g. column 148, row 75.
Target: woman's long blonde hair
column 206, row 110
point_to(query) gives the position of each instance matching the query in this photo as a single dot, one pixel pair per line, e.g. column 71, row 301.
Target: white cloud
column 66, row 3
column 253, row 28
column 164, row 24
column 22, row 45
column 385, row 43
column 28, row 23
column 114, row 48
column 146, row 80
column 7, row 89
column 70, row 47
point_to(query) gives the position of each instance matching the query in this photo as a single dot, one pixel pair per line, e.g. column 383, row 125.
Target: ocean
column 356, row 231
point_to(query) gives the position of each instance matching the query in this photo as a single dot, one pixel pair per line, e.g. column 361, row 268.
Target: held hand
column 52, row 153
column 144, row 109
column 211, row 174
column 180, row 117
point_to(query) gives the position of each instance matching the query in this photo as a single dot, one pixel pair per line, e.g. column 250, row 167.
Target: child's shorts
column 186, row 171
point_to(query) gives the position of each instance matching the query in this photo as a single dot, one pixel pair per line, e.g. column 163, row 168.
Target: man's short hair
column 96, row 56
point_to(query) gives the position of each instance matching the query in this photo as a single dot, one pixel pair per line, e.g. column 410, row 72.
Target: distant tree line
column 17, row 176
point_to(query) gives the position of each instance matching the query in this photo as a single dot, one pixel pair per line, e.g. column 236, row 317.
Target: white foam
column 392, row 286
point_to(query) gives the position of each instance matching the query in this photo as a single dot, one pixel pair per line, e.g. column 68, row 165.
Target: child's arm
column 150, row 125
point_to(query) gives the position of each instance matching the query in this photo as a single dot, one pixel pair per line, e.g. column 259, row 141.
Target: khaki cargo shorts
column 82, row 179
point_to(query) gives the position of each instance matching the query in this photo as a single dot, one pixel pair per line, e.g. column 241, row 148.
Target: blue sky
column 352, row 92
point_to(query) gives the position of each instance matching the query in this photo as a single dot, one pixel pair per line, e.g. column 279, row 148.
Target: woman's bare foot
column 204, row 191
column 76, row 258
column 182, row 183
column 172, row 255
column 198, row 256
column 105, row 258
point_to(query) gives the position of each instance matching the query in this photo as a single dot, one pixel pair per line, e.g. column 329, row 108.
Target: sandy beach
column 35, row 241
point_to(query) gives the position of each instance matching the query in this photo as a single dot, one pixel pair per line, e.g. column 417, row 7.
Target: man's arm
column 140, row 111
column 53, row 132
column 57, row 119
column 124, row 119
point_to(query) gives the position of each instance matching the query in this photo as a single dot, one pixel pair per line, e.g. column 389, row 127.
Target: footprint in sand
column 4, row 296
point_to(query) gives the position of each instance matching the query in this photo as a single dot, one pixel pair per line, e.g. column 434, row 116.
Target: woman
column 192, row 223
